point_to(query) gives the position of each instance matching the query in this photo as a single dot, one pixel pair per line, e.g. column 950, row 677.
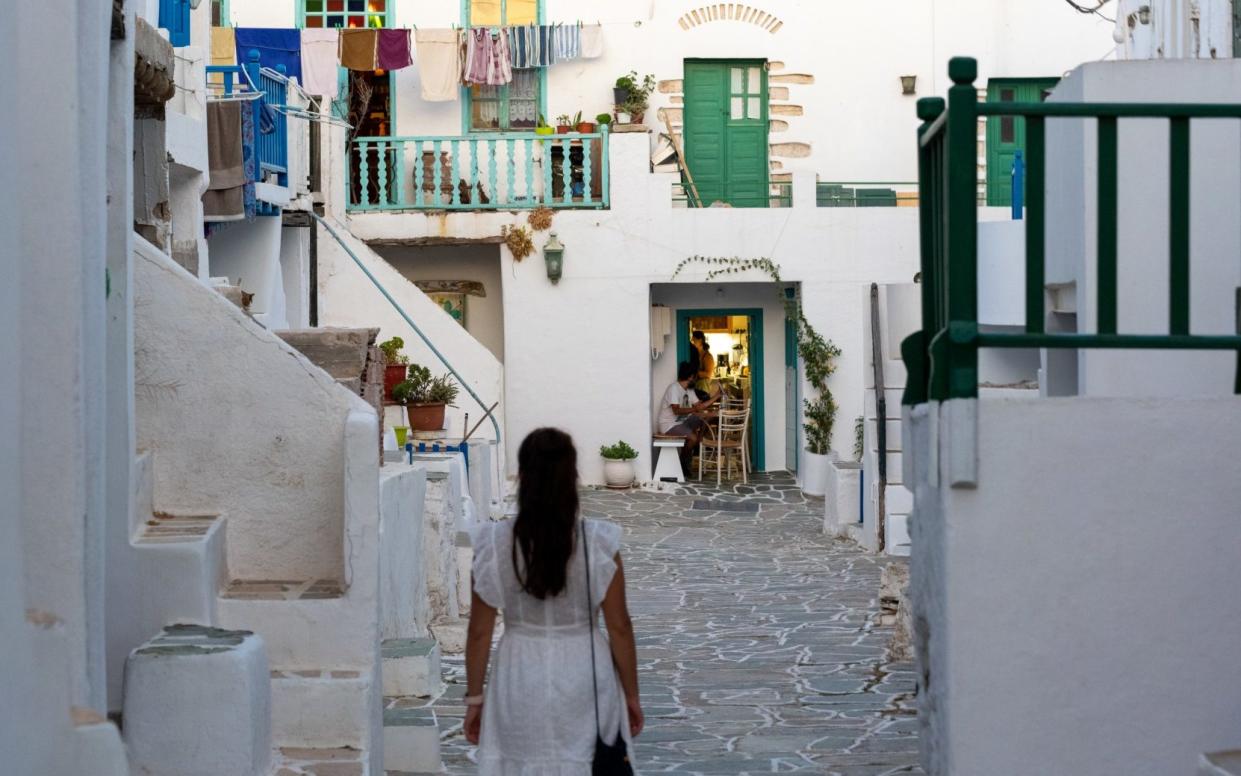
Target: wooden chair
column 725, row 446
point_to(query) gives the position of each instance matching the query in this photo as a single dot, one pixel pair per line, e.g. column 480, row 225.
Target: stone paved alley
column 758, row 640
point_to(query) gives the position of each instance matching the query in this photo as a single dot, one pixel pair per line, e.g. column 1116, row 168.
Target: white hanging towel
column 439, row 64
column 661, row 328
column 592, row 41
column 320, row 65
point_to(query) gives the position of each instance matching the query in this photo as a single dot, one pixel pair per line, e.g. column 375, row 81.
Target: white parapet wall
column 240, row 424
column 1075, row 612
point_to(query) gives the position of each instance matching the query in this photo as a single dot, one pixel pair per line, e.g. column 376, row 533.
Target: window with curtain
column 515, row 106
column 219, row 13
column 344, row 13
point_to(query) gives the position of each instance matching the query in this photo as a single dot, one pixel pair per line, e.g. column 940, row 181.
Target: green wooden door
column 1006, row 135
column 726, row 131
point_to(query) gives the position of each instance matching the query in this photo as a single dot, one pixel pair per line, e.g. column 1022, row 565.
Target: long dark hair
column 547, row 508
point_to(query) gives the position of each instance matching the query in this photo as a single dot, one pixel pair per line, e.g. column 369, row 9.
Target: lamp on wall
column 553, row 254
column 909, row 84
column 1144, row 14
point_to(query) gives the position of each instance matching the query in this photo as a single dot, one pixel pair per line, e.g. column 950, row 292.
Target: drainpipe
column 881, row 417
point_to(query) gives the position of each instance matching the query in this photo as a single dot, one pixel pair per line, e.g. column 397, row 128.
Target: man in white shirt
column 679, row 412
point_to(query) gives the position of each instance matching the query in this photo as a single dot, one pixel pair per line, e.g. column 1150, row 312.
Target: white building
column 1065, row 540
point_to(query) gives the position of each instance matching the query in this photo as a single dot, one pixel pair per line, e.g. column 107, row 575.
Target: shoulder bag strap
column 590, row 619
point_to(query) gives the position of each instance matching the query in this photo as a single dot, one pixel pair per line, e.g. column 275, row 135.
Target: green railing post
column 1036, row 223
column 962, row 203
column 1106, row 277
column 1178, row 226
column 914, row 349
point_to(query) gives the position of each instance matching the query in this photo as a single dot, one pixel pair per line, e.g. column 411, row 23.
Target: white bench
column 668, row 464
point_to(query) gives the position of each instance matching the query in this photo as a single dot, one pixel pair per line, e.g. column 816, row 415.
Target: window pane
column 523, row 99
column 336, row 21
column 355, row 6
column 485, row 13
column 754, row 110
column 376, row 6
column 1007, row 95
column 336, row 5
column 736, row 80
column 756, row 81
column 737, row 110
column 357, row 21
column 314, row 6
column 1008, row 129
column 522, row 12
column 314, row 21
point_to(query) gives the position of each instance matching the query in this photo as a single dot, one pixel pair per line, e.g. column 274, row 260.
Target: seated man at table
column 679, row 412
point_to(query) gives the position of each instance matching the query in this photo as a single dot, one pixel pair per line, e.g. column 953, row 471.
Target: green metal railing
column 866, row 194
column 779, row 195
column 942, row 358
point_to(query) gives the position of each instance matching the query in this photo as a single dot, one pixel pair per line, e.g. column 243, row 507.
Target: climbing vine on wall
column 818, row 353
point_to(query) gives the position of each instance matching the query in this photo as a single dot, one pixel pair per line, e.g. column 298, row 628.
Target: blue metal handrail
column 1018, row 185
column 401, row 311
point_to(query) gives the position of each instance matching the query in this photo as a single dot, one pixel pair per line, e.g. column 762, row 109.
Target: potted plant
column 618, row 465
column 637, row 97
column 603, row 118
column 542, row 128
column 397, row 364
column 585, row 127
column 564, row 124
column 622, row 117
column 402, row 433
column 818, row 357
column 628, row 85
column 425, row 398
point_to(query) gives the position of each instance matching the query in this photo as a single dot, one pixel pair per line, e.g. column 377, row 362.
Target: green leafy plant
column 603, row 118
column 542, row 122
column 563, row 120
column 392, row 351
column 859, row 435
column 621, row 451
column 639, row 92
column 420, row 387
column 577, row 119
column 818, row 353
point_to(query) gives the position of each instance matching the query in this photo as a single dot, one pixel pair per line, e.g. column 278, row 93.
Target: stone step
column 322, row 761
column 411, row 741
column 897, row 535
column 349, row 355
column 322, row 707
column 411, row 667
column 198, row 702
column 98, row 748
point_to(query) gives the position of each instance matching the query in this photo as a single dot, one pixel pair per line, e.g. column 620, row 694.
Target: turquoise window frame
column 467, row 108
column 387, row 13
column 758, row 425
column 226, row 19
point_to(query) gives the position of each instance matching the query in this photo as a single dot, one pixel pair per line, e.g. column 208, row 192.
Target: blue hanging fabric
column 276, row 46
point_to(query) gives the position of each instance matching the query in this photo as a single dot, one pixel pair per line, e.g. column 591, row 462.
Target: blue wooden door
column 174, row 16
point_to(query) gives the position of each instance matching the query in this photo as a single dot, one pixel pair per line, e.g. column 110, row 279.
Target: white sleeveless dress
column 537, row 716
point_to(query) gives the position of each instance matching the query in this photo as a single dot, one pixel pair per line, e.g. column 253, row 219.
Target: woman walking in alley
column 550, row 572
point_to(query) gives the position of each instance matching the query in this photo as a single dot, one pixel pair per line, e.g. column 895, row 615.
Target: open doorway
column 735, row 340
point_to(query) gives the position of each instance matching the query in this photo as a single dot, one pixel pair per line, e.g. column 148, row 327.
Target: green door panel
column 725, row 131
column 1006, row 135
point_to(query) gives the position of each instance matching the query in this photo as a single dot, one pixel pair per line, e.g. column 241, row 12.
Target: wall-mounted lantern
column 553, row 254
column 909, row 84
column 1144, row 14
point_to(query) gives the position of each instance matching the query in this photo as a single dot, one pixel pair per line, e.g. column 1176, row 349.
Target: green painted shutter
column 726, row 131
column 704, row 128
column 1006, row 135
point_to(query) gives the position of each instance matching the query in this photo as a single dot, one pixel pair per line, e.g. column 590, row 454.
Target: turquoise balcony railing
column 271, row 125
column 942, row 358
column 502, row 171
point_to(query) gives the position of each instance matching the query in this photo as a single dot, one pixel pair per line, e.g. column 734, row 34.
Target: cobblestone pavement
column 758, row 641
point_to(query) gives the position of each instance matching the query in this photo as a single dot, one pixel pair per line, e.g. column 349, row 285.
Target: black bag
column 610, row 759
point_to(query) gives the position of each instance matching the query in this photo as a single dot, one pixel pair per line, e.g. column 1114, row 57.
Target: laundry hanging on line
column 592, row 41
column 394, row 51
column 320, row 63
column 359, row 49
column 276, row 46
column 439, row 64
column 488, row 60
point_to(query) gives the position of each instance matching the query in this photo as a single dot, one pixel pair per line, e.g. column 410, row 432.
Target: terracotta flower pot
column 561, row 130
column 426, row 417
column 587, row 128
column 394, row 375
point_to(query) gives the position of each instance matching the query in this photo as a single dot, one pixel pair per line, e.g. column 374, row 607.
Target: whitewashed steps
column 324, row 708
column 411, row 667
column 197, row 703
column 411, row 741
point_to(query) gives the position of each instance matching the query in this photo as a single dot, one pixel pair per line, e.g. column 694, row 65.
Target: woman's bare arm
column 620, row 632
column 477, row 653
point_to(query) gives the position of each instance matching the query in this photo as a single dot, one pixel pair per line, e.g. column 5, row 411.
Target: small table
column 668, row 465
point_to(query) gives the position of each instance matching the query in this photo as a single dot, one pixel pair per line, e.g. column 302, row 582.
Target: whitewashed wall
column 1215, row 242
column 1173, row 29
column 857, row 122
column 1070, row 610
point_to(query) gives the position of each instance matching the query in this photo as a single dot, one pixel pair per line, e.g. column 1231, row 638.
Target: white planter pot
column 618, row 474
column 623, row 118
column 814, row 473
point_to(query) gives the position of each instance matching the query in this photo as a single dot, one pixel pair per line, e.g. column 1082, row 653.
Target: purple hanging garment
column 394, row 50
